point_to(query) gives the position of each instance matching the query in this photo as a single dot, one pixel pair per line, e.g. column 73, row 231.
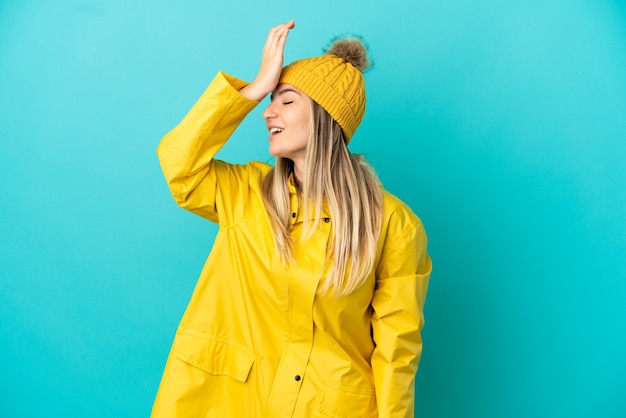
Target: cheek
column 305, row 121
column 305, row 131
column 305, row 126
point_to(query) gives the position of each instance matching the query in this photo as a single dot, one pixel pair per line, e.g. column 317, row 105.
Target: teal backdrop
column 502, row 124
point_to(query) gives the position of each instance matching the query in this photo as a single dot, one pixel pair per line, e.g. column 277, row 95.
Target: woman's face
column 288, row 120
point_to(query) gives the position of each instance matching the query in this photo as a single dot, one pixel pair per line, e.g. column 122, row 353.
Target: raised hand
column 271, row 63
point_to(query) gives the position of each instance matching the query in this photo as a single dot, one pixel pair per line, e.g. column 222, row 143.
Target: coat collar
column 295, row 203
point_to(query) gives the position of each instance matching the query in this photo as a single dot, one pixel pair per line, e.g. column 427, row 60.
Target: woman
column 310, row 303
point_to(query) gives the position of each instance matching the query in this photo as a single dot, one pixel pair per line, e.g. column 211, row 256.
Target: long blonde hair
column 353, row 195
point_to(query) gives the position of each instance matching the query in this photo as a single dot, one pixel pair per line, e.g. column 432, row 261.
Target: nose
column 269, row 112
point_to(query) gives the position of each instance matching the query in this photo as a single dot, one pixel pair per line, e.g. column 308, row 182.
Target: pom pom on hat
column 334, row 81
column 352, row 49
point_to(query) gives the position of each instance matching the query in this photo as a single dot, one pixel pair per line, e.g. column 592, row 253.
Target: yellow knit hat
column 335, row 81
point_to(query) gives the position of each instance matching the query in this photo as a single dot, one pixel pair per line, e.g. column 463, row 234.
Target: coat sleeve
column 397, row 318
column 187, row 152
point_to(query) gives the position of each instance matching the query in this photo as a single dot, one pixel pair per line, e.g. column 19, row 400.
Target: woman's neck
column 298, row 169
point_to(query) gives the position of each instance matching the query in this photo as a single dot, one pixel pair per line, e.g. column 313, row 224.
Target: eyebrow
column 283, row 91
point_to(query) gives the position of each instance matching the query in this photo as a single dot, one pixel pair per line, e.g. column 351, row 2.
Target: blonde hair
column 352, row 193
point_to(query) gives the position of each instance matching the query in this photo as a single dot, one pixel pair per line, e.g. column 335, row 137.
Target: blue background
column 502, row 124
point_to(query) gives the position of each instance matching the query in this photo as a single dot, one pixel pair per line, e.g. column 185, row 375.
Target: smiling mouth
column 275, row 131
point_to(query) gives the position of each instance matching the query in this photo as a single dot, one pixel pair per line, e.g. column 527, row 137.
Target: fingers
column 272, row 59
column 277, row 36
column 284, row 26
column 271, row 62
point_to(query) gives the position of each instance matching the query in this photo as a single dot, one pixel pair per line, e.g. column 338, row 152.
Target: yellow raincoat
column 258, row 339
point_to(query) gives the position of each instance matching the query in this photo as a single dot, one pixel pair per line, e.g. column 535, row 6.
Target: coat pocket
column 348, row 402
column 215, row 356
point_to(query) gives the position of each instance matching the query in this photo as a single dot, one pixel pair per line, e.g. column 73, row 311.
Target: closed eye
column 286, row 103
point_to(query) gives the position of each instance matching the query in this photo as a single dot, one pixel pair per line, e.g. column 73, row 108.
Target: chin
column 276, row 152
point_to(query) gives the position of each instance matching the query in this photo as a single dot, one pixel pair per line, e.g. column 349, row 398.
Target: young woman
column 310, row 303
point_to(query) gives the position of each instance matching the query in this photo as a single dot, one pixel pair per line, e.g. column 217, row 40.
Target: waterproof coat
column 260, row 339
